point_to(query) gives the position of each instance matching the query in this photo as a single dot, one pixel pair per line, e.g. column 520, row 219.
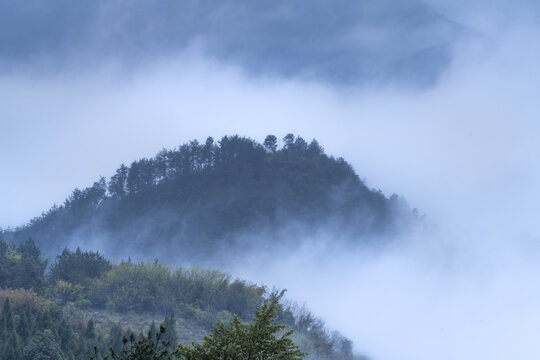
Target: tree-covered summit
column 203, row 197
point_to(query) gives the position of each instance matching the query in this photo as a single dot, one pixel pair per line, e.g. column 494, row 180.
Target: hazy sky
column 90, row 85
column 340, row 41
column 460, row 144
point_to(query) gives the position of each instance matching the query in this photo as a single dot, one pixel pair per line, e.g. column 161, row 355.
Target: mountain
column 234, row 195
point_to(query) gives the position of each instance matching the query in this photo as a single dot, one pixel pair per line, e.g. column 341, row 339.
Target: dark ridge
column 236, row 194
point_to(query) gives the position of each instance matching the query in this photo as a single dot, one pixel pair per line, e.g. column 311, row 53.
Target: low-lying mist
column 464, row 152
column 433, row 296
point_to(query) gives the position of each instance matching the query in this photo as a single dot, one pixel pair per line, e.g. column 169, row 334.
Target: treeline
column 77, row 281
column 35, row 328
column 21, row 266
column 260, row 339
column 152, row 287
column 87, row 279
column 32, row 327
column 198, row 198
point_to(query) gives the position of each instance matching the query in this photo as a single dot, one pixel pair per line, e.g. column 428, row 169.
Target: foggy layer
column 464, row 152
column 341, row 41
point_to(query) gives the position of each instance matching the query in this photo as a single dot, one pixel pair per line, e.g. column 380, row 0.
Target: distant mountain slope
column 200, row 199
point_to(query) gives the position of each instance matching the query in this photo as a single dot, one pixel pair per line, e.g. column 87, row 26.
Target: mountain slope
column 200, row 199
column 86, row 301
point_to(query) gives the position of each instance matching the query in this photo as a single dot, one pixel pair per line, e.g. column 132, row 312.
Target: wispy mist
column 464, row 153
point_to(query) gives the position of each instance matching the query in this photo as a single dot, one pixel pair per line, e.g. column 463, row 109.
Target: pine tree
column 23, row 326
column 153, row 331
column 114, row 338
column 8, row 323
column 90, row 331
column 239, row 341
column 30, row 272
column 65, row 334
column 270, row 143
column 44, row 320
column 170, row 335
column 42, row 346
column 140, row 348
column 10, row 347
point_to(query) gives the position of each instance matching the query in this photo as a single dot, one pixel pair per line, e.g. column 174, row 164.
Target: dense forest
column 82, row 305
column 200, row 199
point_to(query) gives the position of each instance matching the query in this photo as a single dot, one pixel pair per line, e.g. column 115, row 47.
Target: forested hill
column 201, row 198
column 85, row 302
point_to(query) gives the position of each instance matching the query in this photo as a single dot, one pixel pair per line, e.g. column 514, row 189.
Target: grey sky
column 343, row 41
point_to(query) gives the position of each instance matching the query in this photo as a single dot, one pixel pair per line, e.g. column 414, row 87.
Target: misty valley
column 199, row 204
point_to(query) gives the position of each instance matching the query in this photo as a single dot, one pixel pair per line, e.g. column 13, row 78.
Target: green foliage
column 270, row 143
column 199, row 296
column 79, row 266
column 67, row 292
column 38, row 329
column 151, row 347
column 169, row 336
column 7, row 324
column 116, row 335
column 43, row 346
column 90, row 331
column 21, row 266
column 261, row 340
column 133, row 286
column 10, row 344
column 151, row 286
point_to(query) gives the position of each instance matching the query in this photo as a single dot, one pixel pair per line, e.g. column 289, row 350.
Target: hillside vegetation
column 200, row 199
column 85, row 301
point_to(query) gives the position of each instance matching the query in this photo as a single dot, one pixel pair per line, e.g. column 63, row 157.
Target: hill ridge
column 201, row 198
